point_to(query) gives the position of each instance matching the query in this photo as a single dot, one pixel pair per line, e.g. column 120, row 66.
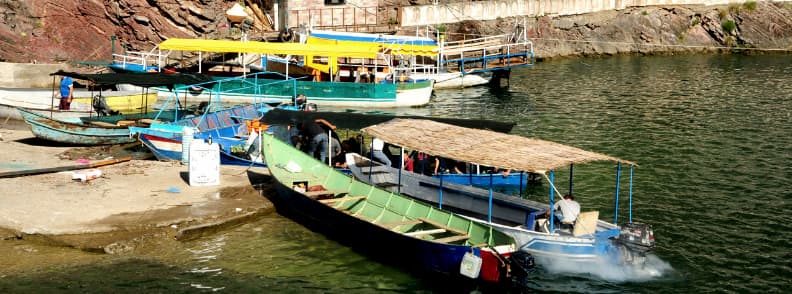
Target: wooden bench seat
column 341, row 199
column 101, row 123
column 425, row 232
column 442, row 226
column 452, row 239
column 324, row 192
column 390, row 225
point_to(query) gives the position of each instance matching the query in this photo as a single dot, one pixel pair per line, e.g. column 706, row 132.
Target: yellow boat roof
column 395, row 49
column 229, row 46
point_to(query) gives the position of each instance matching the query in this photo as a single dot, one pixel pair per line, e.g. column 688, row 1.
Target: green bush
column 696, row 21
column 729, row 26
column 722, row 14
column 644, row 12
column 750, row 5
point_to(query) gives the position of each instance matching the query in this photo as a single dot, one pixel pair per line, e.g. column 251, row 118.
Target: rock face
column 80, row 30
column 762, row 26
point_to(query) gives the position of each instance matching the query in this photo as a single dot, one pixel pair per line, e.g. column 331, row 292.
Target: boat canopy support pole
column 371, row 159
column 200, row 59
column 571, row 173
column 522, row 175
column 489, row 208
column 550, row 178
column 330, row 147
column 401, row 167
column 52, row 102
column 440, row 197
column 616, row 204
column 631, row 190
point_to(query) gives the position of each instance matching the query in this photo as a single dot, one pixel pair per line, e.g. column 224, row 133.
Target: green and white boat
column 385, row 224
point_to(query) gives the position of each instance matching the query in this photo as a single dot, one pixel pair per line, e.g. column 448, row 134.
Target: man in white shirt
column 376, row 152
column 567, row 210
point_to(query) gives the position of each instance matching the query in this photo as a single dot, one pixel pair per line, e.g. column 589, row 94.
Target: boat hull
column 339, row 94
column 512, row 215
column 74, row 133
column 365, row 224
column 454, row 80
column 223, row 127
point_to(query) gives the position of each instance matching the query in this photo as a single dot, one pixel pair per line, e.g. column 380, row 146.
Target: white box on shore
column 204, row 163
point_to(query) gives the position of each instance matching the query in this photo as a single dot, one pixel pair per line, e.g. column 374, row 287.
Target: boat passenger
column 376, row 152
column 567, row 211
column 316, row 137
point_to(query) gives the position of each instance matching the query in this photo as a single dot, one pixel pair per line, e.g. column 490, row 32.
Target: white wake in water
column 652, row 268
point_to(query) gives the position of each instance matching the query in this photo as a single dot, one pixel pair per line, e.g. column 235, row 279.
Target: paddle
column 37, row 171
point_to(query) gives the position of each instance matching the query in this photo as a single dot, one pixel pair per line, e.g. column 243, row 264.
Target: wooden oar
column 38, row 171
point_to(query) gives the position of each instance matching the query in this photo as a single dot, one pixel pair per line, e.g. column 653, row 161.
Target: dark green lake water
column 712, row 136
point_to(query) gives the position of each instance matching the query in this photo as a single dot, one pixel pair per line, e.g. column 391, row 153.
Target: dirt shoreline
column 132, row 202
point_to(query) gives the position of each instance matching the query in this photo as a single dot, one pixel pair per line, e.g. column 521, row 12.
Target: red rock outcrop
column 80, row 30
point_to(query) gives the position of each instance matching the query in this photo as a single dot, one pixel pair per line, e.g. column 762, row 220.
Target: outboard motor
column 521, row 263
column 101, row 107
column 638, row 239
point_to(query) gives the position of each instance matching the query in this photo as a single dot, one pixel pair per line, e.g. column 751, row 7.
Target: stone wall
column 27, row 75
column 491, row 10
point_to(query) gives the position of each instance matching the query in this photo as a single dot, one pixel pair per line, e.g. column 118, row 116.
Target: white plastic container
column 187, row 137
column 471, row 266
column 204, row 163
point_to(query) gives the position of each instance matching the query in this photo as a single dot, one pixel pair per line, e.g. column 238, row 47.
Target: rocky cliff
column 80, row 30
column 749, row 27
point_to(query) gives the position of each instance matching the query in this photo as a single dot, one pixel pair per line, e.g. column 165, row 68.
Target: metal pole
column 616, row 204
column 441, row 191
column 330, row 147
column 631, row 190
column 489, row 208
column 571, row 172
column 401, row 166
column 52, row 103
column 371, row 160
column 521, row 184
column 552, row 211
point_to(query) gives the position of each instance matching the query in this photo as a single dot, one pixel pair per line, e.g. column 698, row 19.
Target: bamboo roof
column 482, row 146
column 229, row 46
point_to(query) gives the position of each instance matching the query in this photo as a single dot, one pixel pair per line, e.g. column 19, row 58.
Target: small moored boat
column 589, row 239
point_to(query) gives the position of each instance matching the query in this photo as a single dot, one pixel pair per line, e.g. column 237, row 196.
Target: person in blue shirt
column 66, row 93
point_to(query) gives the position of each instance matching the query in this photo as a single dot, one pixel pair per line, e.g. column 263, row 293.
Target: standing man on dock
column 66, row 92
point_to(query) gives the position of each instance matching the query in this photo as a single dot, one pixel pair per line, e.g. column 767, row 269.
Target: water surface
column 711, row 136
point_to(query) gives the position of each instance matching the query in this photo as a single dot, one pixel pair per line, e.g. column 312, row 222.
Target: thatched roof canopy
column 482, row 147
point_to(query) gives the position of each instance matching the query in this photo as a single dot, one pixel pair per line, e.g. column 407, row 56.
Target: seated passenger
column 567, row 210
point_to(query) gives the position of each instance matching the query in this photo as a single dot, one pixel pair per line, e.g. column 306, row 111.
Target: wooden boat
column 330, row 87
column 382, row 223
column 74, row 132
column 41, row 102
column 107, row 130
column 590, row 239
column 228, row 127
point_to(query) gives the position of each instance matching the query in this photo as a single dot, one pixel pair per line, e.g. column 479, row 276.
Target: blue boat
column 74, row 132
column 588, row 239
column 226, row 127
